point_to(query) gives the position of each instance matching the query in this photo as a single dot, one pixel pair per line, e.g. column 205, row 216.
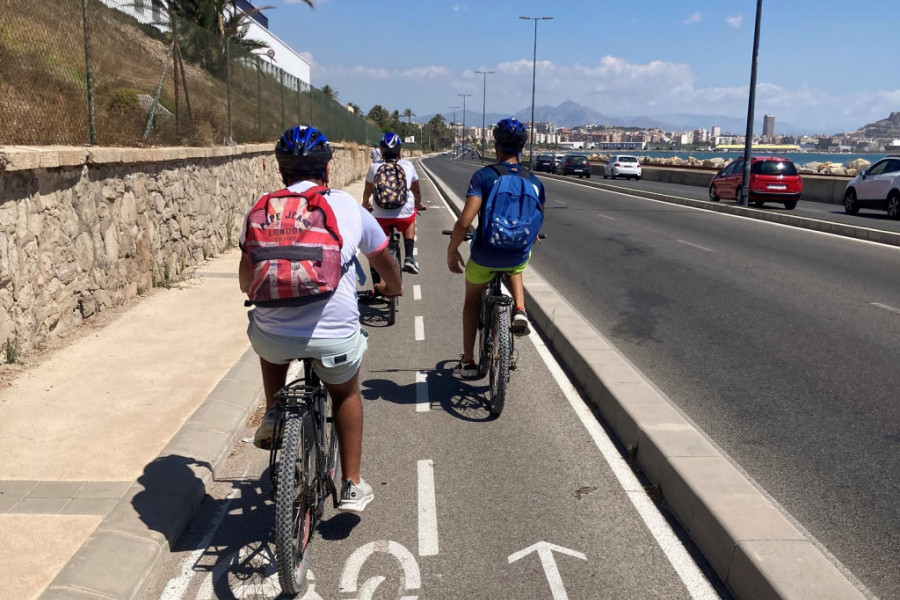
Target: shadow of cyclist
column 171, row 489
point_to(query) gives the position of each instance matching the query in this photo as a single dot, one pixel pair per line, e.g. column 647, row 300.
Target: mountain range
column 571, row 114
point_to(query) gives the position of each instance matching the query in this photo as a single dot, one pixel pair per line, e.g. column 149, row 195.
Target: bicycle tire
column 295, row 502
column 393, row 303
column 500, row 352
column 329, row 447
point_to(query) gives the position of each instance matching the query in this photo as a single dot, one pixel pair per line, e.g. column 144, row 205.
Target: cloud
column 694, row 18
column 734, row 20
column 460, row 8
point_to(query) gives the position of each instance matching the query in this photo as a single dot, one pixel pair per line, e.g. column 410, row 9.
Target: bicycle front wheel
column 393, row 303
column 295, row 500
column 500, row 351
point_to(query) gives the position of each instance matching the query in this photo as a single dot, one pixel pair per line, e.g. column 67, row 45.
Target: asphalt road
column 780, row 343
column 461, row 498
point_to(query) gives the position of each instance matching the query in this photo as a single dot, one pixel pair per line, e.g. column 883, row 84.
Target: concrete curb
column 119, row 557
column 753, row 548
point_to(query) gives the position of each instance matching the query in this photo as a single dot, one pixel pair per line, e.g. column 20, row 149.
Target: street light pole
column 453, row 130
column 483, row 100
column 744, row 196
column 464, row 119
column 533, row 78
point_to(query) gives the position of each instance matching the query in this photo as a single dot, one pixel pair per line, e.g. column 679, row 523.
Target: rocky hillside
column 885, row 128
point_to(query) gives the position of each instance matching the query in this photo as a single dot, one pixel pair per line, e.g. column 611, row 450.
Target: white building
column 279, row 54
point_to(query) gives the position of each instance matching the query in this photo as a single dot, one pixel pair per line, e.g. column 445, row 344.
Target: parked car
column 772, row 179
column 545, row 162
column 576, row 164
column 877, row 187
column 623, row 165
column 558, row 160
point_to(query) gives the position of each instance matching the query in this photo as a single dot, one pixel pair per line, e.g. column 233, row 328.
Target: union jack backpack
column 295, row 248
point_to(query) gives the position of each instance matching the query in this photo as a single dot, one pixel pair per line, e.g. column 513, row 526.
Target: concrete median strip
column 750, row 544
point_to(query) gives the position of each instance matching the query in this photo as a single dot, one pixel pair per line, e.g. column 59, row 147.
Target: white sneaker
column 263, row 438
column 355, row 496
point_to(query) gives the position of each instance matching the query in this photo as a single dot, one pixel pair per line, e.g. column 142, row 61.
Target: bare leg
column 517, row 289
column 348, row 421
column 470, row 318
column 273, row 379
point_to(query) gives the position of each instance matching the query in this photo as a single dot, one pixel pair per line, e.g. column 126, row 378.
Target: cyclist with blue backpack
column 509, row 203
column 297, row 247
column 393, row 184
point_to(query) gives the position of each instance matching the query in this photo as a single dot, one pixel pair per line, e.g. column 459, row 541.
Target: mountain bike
column 394, row 248
column 495, row 341
column 302, row 467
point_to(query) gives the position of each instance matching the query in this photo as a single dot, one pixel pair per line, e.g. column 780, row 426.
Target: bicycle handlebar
column 468, row 236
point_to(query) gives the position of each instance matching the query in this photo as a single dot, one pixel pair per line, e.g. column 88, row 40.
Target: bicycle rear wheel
column 500, row 351
column 329, row 447
column 395, row 301
column 295, row 502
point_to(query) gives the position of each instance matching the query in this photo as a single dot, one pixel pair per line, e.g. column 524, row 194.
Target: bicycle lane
column 466, row 506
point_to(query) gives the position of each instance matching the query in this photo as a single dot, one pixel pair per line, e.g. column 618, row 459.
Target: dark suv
column 575, row 164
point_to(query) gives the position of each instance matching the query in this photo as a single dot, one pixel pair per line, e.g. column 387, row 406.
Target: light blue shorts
column 336, row 360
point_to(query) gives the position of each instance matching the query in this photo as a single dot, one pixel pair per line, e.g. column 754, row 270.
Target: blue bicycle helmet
column 511, row 135
column 390, row 145
column 302, row 150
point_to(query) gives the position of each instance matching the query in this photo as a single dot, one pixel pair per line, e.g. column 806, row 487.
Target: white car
column 622, row 165
column 877, row 187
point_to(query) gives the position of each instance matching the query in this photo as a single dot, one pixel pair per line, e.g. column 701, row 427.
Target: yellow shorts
column 479, row 274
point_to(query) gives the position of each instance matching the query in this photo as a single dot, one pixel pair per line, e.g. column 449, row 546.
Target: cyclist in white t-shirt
column 375, row 154
column 327, row 331
column 404, row 217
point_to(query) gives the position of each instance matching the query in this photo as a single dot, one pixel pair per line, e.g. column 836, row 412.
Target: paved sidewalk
column 105, row 448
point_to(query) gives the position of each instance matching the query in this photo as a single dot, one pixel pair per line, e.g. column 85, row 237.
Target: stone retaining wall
column 85, row 229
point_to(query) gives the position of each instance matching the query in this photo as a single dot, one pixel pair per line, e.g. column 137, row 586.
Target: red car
column 772, row 179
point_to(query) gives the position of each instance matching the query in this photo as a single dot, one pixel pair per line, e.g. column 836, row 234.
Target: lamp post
column 453, row 130
column 483, row 99
column 464, row 120
column 533, row 77
column 744, row 195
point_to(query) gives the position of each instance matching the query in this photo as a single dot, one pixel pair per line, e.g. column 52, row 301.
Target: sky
column 827, row 66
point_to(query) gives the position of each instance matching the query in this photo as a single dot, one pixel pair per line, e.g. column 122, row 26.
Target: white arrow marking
column 412, row 580
column 545, row 552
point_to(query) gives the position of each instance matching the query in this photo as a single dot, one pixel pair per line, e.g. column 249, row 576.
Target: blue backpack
column 513, row 214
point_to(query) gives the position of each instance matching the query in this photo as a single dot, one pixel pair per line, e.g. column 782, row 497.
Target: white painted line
column 412, row 577
column 428, row 531
column 605, row 216
column 420, row 329
column 886, row 307
column 697, row 246
column 417, row 292
column 422, row 402
column 693, row 579
column 415, row 250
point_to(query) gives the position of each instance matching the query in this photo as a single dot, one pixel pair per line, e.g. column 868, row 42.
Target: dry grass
column 43, row 86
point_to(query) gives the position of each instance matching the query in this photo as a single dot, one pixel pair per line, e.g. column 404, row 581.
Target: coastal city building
column 769, row 127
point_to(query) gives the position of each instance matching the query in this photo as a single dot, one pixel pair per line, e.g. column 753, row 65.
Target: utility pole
column 533, row 78
column 483, row 100
column 744, row 197
column 464, row 121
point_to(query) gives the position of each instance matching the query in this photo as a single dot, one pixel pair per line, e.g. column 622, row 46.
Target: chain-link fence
column 90, row 72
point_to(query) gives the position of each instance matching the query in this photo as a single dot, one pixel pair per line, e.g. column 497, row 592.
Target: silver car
column 877, row 187
column 622, row 165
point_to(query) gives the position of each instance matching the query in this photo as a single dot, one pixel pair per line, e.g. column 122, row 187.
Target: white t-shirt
column 408, row 209
column 337, row 317
column 375, row 154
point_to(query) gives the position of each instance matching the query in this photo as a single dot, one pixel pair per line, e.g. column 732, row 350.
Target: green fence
column 88, row 72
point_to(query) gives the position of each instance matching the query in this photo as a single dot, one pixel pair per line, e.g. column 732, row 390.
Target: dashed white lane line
column 697, row 246
column 695, row 582
column 417, row 292
column 420, row 329
column 415, row 250
column 886, row 307
column 422, row 402
column 428, row 532
column 605, row 216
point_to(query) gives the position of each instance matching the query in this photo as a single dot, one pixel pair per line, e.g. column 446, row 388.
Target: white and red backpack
column 295, row 248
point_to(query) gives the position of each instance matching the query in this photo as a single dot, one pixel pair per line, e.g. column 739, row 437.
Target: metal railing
column 112, row 73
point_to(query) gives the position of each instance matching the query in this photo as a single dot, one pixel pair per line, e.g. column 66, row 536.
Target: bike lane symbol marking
column 412, row 579
column 545, row 553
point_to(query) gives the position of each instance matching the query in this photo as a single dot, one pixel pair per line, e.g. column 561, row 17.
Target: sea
column 798, row 158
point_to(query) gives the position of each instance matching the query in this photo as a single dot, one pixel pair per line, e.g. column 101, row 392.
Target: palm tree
column 329, row 92
column 409, row 114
